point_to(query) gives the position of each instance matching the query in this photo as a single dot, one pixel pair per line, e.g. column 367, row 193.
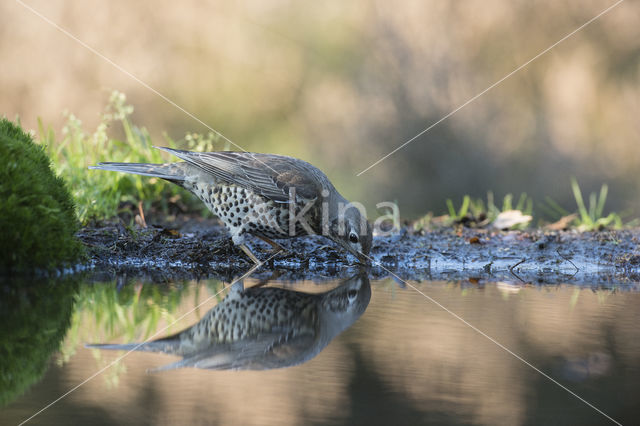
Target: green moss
column 37, row 219
column 35, row 318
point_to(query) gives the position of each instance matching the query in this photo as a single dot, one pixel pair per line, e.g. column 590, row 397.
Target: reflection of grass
column 98, row 194
column 602, row 294
column 104, row 313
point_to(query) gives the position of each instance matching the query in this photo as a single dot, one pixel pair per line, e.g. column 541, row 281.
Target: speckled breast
column 244, row 211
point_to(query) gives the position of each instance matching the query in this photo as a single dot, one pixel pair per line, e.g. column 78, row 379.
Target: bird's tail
column 168, row 345
column 174, row 172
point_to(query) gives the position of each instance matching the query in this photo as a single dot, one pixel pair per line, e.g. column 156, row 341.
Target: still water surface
column 401, row 359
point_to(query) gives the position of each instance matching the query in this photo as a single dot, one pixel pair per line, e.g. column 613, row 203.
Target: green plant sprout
column 592, row 218
column 477, row 210
column 99, row 195
column 462, row 212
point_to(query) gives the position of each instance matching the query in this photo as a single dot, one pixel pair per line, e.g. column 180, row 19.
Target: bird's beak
column 362, row 258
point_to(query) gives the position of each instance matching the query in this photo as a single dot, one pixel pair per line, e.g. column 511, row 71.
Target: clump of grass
column 37, row 218
column 551, row 209
column 99, row 194
column 477, row 213
column 461, row 213
column 587, row 218
column 592, row 218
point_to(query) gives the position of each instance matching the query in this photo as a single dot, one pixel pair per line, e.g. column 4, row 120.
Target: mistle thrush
column 265, row 195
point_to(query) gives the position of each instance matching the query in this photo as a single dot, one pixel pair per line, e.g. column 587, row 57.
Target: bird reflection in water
column 261, row 328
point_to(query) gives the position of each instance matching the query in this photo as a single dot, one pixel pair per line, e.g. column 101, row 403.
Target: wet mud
column 201, row 248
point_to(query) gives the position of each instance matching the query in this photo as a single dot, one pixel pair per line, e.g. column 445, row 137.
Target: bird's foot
column 321, row 249
column 277, row 249
column 250, row 254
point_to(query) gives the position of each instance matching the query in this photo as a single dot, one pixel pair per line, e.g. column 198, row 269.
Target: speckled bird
column 255, row 194
column 261, row 328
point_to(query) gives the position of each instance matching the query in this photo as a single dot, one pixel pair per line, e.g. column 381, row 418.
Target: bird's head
column 353, row 232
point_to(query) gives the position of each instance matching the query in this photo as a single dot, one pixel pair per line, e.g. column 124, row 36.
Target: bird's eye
column 353, row 237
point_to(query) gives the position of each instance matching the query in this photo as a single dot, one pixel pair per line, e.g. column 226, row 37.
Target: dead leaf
column 562, row 224
column 510, row 218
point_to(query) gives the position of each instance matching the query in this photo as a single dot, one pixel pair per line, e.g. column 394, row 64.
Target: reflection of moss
column 37, row 219
column 34, row 318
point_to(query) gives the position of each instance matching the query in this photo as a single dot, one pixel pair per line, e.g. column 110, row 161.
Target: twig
column 568, row 260
column 513, row 272
column 141, row 220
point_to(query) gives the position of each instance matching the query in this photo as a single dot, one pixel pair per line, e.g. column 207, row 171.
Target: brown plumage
column 257, row 194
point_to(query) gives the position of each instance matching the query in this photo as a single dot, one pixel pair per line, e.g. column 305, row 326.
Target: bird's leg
column 274, row 276
column 276, row 247
column 321, row 248
column 248, row 252
column 237, row 286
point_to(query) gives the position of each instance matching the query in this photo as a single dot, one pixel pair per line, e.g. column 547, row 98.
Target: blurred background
column 341, row 84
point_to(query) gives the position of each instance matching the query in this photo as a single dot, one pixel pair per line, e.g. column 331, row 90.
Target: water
column 404, row 360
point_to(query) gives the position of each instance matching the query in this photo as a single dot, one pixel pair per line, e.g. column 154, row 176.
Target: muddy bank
column 201, row 248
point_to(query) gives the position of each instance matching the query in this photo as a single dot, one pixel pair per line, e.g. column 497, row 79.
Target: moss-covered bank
column 37, row 218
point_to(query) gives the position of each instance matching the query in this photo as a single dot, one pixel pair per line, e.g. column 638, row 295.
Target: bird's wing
column 263, row 352
column 266, row 174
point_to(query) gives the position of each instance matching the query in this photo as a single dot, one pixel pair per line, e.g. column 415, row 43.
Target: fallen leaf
column 562, row 224
column 510, row 218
